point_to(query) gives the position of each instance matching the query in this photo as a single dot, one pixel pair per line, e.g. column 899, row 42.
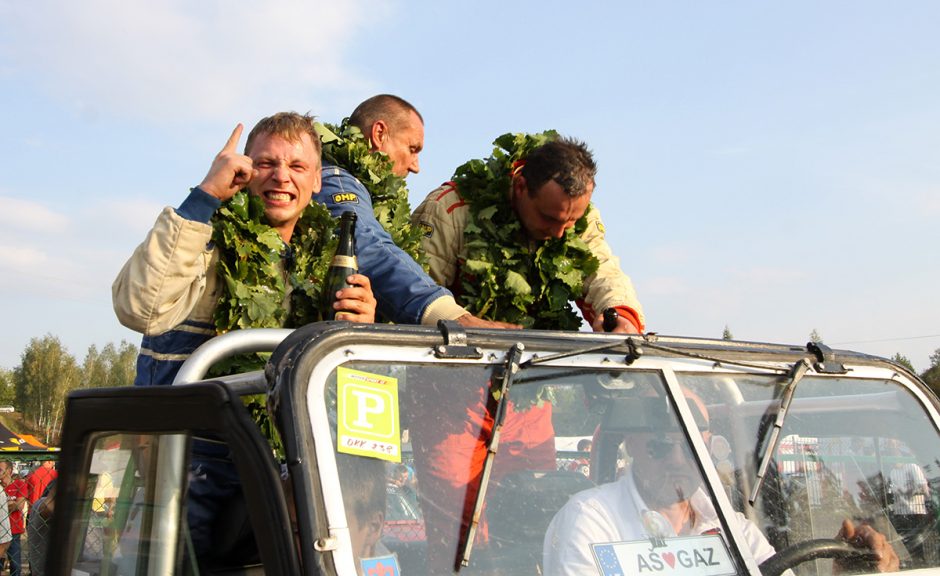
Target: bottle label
column 345, row 261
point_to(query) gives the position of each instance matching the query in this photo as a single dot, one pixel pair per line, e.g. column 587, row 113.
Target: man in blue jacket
column 404, row 291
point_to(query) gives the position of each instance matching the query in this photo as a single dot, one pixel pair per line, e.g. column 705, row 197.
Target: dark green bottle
column 344, row 263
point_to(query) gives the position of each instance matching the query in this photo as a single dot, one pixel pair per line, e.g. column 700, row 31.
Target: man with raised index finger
column 254, row 209
column 173, row 289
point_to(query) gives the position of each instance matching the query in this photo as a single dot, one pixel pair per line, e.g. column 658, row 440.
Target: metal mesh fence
column 25, row 517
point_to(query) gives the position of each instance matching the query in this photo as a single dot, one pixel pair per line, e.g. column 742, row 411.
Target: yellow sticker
column 367, row 415
column 427, row 229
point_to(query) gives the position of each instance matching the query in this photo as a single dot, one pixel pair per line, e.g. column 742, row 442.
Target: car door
column 124, row 472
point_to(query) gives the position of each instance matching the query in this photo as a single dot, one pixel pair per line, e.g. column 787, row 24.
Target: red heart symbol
column 670, row 559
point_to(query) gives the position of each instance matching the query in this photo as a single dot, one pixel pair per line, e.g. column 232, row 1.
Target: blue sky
column 772, row 167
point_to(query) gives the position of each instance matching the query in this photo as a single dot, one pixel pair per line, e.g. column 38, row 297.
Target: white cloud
column 73, row 256
column 134, row 216
column 178, row 60
column 56, row 273
column 14, row 258
column 24, row 216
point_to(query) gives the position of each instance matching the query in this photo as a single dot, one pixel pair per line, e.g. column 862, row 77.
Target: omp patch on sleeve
column 345, row 198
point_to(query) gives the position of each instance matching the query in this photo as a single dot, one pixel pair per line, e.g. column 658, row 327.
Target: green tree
column 123, row 364
column 113, row 366
column 903, row 361
column 726, row 334
column 94, row 369
column 932, row 374
column 7, row 390
column 45, row 375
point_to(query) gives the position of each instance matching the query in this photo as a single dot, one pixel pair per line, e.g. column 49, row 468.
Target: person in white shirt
column 908, row 485
column 659, row 496
column 6, row 536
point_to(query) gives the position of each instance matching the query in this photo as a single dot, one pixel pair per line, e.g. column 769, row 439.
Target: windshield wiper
column 635, row 346
column 796, row 374
column 509, row 374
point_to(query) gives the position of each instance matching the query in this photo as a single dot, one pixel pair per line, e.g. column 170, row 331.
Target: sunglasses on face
column 661, row 448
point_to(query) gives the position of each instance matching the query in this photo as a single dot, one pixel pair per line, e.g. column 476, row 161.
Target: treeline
column 931, row 375
column 37, row 387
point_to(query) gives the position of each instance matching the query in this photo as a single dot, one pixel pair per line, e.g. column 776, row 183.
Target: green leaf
column 486, row 213
column 239, row 205
column 516, row 283
column 477, row 266
column 327, row 136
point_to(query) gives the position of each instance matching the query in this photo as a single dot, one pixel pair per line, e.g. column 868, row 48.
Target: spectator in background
column 401, row 480
column 5, row 534
column 37, row 529
column 907, row 485
column 39, row 480
column 16, row 492
column 582, row 463
column 398, row 477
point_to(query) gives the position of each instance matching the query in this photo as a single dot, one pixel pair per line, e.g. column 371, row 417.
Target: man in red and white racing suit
column 547, row 205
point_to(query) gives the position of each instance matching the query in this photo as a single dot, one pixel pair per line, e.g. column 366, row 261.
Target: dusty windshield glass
column 132, row 500
column 592, row 472
column 850, row 449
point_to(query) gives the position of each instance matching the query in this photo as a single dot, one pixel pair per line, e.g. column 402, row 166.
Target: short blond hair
column 288, row 125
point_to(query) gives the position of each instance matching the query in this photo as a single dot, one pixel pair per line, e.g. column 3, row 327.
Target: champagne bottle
column 344, row 263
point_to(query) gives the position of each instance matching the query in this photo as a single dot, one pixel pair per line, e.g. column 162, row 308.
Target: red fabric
column 453, row 207
column 447, row 188
column 449, row 435
column 629, row 313
column 16, row 489
column 38, row 480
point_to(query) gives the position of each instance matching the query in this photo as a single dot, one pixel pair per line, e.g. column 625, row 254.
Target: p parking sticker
column 699, row 555
column 367, row 415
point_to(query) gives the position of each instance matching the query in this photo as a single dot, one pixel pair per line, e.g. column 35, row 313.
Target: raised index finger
column 232, row 144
